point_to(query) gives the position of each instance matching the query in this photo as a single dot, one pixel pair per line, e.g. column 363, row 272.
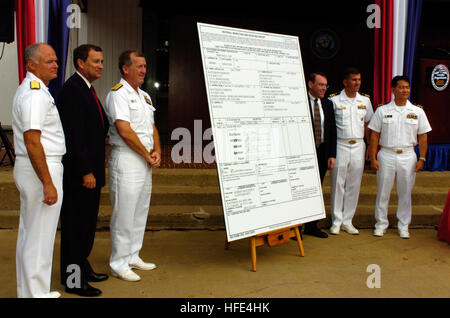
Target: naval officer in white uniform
column 397, row 127
column 135, row 151
column 353, row 112
column 38, row 171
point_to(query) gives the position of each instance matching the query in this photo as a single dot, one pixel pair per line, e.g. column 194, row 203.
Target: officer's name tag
column 387, row 116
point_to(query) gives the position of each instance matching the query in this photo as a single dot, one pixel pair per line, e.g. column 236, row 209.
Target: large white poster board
column 263, row 138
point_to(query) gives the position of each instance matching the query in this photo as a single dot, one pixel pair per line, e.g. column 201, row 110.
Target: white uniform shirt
column 399, row 125
column 351, row 114
column 124, row 103
column 35, row 109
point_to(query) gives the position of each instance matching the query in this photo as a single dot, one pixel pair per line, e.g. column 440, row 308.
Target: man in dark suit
column 324, row 134
column 85, row 129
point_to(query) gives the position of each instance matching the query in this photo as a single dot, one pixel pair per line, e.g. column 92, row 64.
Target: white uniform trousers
column 346, row 181
column 401, row 166
column 37, row 228
column 130, row 187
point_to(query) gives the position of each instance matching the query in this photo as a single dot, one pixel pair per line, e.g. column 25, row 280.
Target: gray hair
column 32, row 52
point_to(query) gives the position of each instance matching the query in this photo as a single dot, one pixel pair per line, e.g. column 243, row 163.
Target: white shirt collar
column 344, row 96
column 312, row 98
column 407, row 105
column 86, row 81
column 394, row 106
column 128, row 86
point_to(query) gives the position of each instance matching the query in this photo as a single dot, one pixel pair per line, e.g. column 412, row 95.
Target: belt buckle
column 399, row 151
column 352, row 142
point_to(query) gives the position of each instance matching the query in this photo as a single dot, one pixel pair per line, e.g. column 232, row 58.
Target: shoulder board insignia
column 115, row 88
column 334, row 94
column 367, row 95
column 379, row 105
column 35, row 85
column 419, row 106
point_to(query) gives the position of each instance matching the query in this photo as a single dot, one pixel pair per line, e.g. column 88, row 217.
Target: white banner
column 263, row 138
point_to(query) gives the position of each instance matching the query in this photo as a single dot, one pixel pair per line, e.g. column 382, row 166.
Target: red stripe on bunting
column 26, row 33
column 383, row 56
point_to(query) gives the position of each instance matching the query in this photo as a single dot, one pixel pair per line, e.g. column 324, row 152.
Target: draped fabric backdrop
column 58, row 38
column 399, row 29
column 413, row 25
column 395, row 44
column 43, row 21
column 383, row 54
column 26, row 34
column 41, row 14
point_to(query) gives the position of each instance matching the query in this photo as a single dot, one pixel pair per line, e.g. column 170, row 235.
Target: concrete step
column 190, row 198
column 420, row 195
column 209, row 195
column 209, row 177
column 178, row 195
column 176, row 217
column 194, row 177
column 423, row 178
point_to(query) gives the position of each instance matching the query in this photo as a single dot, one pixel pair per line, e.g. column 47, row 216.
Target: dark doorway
column 171, row 45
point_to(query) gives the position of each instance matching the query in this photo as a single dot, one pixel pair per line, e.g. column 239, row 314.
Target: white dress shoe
column 334, row 229
column 379, row 232
column 404, row 234
column 350, row 229
column 143, row 266
column 54, row 294
column 127, row 275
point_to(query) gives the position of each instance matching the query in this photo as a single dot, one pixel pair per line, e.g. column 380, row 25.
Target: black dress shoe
column 94, row 277
column 315, row 232
column 86, row 291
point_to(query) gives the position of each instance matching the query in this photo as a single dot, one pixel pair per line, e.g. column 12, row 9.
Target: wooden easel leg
column 253, row 251
column 299, row 242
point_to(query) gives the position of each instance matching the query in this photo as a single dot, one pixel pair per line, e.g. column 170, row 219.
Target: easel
column 9, row 150
column 273, row 238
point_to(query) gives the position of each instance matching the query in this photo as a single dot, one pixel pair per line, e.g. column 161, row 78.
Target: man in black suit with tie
column 85, row 129
column 324, row 127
